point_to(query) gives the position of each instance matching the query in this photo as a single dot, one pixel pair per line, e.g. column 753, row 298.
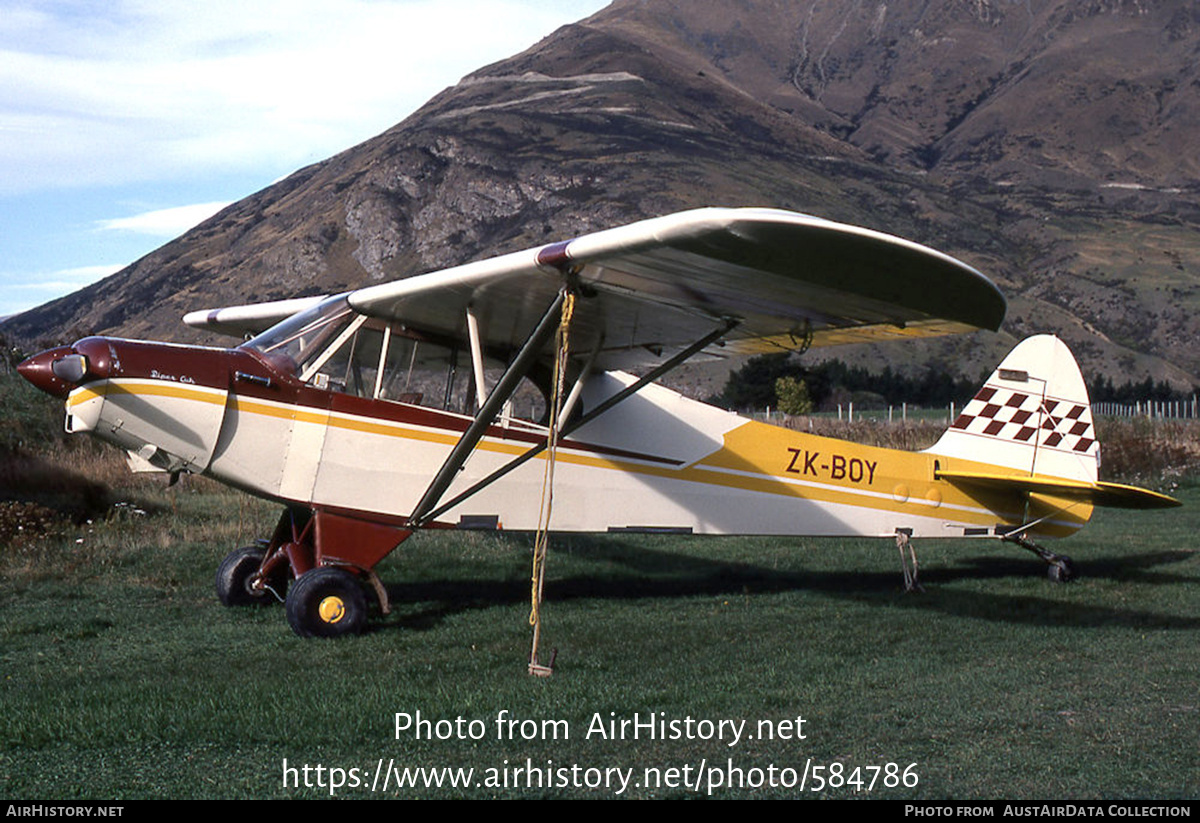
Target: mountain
column 1046, row 142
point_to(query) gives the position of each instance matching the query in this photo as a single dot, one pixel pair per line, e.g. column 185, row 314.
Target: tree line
column 1102, row 390
column 782, row 381
column 764, row 380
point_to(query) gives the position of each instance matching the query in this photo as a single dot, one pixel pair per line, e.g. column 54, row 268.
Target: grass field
column 123, row 677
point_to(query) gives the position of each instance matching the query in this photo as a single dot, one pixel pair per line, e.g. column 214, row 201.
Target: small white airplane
column 464, row 397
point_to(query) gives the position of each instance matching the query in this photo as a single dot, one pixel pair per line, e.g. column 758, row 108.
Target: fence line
column 1163, row 409
column 1188, row 409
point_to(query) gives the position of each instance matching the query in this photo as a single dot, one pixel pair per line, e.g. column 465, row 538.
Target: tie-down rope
column 542, row 537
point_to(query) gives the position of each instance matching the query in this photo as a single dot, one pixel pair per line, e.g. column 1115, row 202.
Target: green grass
column 123, row 677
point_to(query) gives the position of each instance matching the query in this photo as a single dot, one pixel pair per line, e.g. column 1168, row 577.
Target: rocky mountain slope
column 1046, row 142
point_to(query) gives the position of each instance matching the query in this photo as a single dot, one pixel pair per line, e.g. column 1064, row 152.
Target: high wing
column 649, row 289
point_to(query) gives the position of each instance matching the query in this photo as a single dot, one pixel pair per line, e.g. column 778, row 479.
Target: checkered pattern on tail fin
column 1014, row 415
column 1032, row 415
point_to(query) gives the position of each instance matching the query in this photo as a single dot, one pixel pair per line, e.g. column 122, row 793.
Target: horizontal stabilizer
column 1098, row 493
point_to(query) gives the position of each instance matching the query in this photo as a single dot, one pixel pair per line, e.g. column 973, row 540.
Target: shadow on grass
column 28, row 478
column 42, row 496
column 658, row 574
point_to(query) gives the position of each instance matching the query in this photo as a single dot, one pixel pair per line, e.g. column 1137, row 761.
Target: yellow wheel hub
column 332, row 609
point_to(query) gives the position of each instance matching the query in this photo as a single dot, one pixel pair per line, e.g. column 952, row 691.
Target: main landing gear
column 327, row 602
column 238, row 574
column 329, row 595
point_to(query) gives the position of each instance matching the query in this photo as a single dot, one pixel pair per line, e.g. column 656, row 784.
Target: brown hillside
column 1045, row 142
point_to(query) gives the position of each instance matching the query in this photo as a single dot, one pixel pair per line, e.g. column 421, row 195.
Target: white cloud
column 147, row 89
column 168, row 223
column 23, row 290
column 150, row 100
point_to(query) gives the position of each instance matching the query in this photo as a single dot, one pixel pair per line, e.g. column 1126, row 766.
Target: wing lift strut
column 424, row 512
column 561, row 308
column 428, row 510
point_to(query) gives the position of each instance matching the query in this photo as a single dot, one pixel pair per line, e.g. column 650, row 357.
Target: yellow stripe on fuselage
column 879, row 478
column 754, row 457
column 151, row 388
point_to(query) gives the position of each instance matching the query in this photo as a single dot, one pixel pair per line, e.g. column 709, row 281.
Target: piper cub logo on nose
column 834, row 467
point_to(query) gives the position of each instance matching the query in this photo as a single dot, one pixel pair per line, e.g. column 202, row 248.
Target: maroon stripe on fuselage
column 169, row 362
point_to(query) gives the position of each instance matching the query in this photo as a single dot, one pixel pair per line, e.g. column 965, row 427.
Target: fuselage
column 656, row 461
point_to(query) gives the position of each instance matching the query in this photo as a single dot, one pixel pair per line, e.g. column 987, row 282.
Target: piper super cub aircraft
column 453, row 399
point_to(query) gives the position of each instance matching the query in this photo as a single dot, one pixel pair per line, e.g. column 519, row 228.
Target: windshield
column 291, row 344
column 333, row 348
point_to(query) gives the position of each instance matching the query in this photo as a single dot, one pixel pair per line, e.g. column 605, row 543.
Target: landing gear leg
column 1059, row 567
column 908, row 562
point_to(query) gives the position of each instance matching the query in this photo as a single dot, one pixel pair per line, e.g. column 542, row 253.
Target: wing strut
column 629, row 390
column 486, row 415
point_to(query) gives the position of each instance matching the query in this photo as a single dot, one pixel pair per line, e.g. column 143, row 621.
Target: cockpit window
column 333, row 348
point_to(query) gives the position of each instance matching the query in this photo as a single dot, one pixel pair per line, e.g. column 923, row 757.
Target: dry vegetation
column 1159, row 453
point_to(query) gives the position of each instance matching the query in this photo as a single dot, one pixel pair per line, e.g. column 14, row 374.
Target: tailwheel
column 235, row 578
column 326, row 602
column 1061, row 570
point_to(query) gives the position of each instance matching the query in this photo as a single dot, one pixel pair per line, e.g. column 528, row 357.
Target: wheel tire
column 326, row 602
column 1062, row 570
column 234, row 575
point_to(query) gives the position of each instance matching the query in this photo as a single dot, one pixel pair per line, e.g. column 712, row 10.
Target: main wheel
column 326, row 602
column 234, row 576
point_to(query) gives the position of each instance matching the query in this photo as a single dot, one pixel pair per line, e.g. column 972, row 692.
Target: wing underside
column 653, row 287
column 783, row 280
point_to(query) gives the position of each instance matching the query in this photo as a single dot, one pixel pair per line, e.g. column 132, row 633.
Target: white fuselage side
column 654, row 461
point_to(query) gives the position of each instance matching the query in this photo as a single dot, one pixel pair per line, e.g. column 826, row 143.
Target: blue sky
column 124, row 123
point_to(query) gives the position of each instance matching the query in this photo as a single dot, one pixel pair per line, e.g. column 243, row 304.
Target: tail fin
column 1032, row 415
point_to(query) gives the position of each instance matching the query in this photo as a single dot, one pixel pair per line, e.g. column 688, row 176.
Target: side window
column 355, row 367
column 364, row 363
column 425, row 373
column 371, row 359
column 398, row 383
column 527, row 402
column 328, row 370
